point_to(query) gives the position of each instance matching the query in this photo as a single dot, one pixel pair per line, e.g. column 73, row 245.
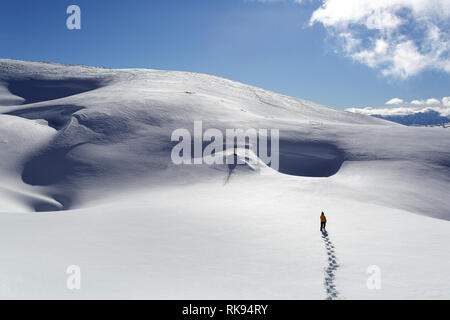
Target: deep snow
column 95, row 143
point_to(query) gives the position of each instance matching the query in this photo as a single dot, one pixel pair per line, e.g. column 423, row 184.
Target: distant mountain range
column 427, row 118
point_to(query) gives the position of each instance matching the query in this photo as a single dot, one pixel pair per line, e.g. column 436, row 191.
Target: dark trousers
column 322, row 225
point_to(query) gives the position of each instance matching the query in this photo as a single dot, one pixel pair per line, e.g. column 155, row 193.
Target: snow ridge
column 96, row 143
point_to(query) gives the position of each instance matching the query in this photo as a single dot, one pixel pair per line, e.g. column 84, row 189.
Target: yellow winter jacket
column 323, row 218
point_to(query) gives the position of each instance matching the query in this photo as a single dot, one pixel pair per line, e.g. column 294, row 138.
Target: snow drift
column 91, row 140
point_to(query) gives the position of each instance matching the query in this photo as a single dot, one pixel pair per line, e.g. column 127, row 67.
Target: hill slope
column 96, row 143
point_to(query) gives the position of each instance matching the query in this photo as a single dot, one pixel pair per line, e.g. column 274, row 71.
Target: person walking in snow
column 323, row 222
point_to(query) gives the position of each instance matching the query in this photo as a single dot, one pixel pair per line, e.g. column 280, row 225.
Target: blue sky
column 269, row 44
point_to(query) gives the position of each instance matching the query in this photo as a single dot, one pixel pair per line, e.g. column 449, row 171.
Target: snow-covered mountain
column 89, row 149
column 428, row 118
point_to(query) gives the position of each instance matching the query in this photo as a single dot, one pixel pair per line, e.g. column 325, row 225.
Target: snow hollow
column 87, row 179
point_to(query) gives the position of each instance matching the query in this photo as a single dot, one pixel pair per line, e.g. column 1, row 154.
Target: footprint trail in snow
column 330, row 270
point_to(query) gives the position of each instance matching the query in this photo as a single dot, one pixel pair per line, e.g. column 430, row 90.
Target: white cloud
column 428, row 102
column 400, row 37
column 402, row 108
column 446, row 101
column 394, row 101
column 398, row 111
